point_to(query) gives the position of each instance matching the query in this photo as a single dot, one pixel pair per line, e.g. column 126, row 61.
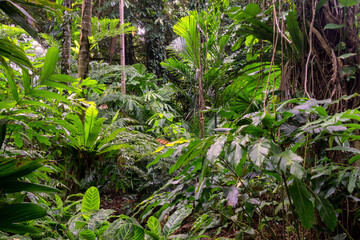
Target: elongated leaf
column 20, row 17
column 166, row 154
column 303, row 205
column 59, row 85
column 49, row 95
column 14, row 53
column 294, row 30
column 20, row 212
column 94, row 134
column 139, row 233
column 51, row 58
column 18, row 228
column 90, row 122
column 333, row 26
column 17, row 186
column 14, row 169
column 62, row 78
column 175, row 220
column 154, row 225
column 348, row 3
column 91, row 200
column 327, row 212
column 215, row 149
column 26, row 80
column 12, row 84
column 4, row 105
column 39, row 104
column 352, row 180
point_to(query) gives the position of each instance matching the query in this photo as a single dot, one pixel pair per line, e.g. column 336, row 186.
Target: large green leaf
column 91, row 200
column 215, row 149
column 17, row 186
column 303, row 205
column 15, row 168
column 90, row 122
column 20, row 17
column 51, row 59
column 12, row 84
column 49, row 95
column 290, row 159
column 126, row 232
column 294, row 31
column 87, row 235
column 20, row 212
column 327, row 212
column 259, row 152
column 175, row 220
column 154, row 225
column 13, row 53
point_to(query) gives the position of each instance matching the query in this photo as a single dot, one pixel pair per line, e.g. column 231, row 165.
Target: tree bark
column 66, row 47
column 122, row 46
column 84, row 52
column 320, row 71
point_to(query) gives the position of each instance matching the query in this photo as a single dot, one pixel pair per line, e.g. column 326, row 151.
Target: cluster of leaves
column 266, row 160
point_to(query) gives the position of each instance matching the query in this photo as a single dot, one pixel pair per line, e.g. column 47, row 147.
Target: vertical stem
column 122, row 46
column 200, row 75
column 66, row 50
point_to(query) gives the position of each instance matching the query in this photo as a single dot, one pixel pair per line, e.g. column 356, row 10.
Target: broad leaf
column 90, row 122
column 259, row 151
column 20, row 212
column 87, row 235
column 327, row 212
column 303, row 205
column 154, row 225
column 215, row 149
column 91, row 200
column 51, row 59
column 175, row 220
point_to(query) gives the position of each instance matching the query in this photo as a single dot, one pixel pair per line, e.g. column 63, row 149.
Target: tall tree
column 84, row 52
column 66, row 50
column 329, row 50
column 122, row 46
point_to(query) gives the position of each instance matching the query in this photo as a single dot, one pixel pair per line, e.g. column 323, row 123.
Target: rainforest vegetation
column 179, row 119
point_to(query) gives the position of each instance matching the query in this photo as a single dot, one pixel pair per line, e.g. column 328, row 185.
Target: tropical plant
column 14, row 212
column 268, row 155
column 88, row 142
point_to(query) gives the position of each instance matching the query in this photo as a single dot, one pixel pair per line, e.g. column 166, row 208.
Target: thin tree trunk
column 200, row 75
column 66, row 49
column 122, row 46
column 84, row 52
column 112, row 49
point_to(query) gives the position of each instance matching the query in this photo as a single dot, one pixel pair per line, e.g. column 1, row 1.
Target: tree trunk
column 122, row 46
column 66, row 49
column 84, row 52
column 323, row 71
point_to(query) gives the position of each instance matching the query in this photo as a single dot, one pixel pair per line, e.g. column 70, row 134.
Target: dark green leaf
column 327, row 212
column 303, row 205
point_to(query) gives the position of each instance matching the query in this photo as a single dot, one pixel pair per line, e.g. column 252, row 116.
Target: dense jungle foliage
column 179, row 119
